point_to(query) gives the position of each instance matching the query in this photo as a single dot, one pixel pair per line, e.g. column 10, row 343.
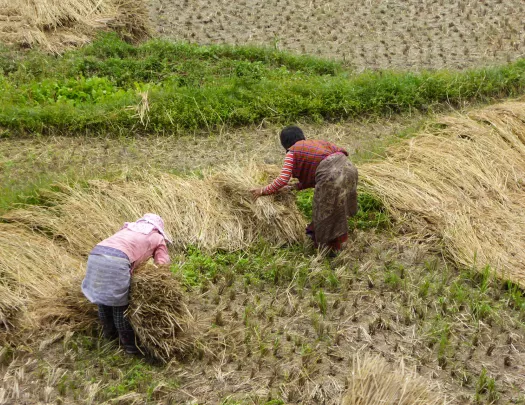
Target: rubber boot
column 127, row 340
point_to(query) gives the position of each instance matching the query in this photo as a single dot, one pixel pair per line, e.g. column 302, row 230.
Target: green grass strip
column 97, row 89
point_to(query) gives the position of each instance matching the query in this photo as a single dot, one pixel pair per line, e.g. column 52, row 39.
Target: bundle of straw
column 158, row 314
column 280, row 217
column 10, row 305
column 31, row 267
column 464, row 181
column 57, row 24
column 214, row 212
column 68, row 309
column 373, row 381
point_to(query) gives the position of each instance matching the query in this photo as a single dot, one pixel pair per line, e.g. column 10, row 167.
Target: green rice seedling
column 318, row 325
column 486, row 276
column 424, row 288
column 486, row 386
column 322, row 302
column 481, row 309
column 392, row 280
column 515, row 296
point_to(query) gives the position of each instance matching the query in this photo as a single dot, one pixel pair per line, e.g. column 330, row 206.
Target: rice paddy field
column 371, row 34
column 111, row 109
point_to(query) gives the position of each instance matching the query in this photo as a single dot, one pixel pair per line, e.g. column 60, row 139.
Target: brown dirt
column 372, row 34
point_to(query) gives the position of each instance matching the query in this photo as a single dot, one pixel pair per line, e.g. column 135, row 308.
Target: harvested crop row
column 31, row 268
column 58, row 24
column 463, row 181
column 215, row 212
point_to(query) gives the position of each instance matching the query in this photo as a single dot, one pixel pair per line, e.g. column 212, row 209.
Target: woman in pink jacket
column 109, row 269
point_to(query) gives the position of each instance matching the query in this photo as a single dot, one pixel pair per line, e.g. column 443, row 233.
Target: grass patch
column 109, row 371
column 14, row 193
column 257, row 266
column 97, row 89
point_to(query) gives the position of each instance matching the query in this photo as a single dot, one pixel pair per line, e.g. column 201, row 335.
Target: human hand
column 256, row 193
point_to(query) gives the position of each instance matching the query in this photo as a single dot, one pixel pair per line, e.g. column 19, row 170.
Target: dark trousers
column 115, row 324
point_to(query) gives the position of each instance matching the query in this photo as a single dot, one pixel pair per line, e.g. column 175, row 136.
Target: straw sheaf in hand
column 463, row 180
column 59, row 24
column 159, row 315
column 278, row 212
column 373, row 381
column 214, row 212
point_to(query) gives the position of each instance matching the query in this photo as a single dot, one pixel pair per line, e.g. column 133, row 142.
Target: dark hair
column 291, row 135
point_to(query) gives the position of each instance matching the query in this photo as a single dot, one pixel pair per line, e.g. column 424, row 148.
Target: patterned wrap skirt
column 108, row 277
column 335, row 198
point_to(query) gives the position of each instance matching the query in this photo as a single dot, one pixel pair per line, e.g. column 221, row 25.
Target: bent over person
column 109, row 269
column 325, row 166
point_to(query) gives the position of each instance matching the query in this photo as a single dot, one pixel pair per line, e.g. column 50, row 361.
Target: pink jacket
column 139, row 247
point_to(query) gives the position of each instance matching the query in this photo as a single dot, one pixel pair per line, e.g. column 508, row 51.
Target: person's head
column 291, row 135
column 157, row 222
column 154, row 220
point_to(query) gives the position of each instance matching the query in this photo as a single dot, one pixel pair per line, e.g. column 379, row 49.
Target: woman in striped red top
column 324, row 166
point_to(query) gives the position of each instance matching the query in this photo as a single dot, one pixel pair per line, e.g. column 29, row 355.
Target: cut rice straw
column 159, row 315
column 42, row 273
column 31, row 267
column 463, row 180
column 59, row 24
column 214, row 212
column 373, row 381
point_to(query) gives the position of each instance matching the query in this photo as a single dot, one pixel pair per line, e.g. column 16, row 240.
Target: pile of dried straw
column 158, row 314
column 214, row 212
column 464, row 181
column 57, row 24
column 68, row 309
column 31, row 268
column 373, row 381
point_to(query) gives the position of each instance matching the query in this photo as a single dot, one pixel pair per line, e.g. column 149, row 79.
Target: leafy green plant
column 392, row 279
column 371, row 213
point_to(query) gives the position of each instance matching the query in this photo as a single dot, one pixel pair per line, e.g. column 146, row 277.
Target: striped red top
column 301, row 162
column 283, row 178
column 306, row 157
